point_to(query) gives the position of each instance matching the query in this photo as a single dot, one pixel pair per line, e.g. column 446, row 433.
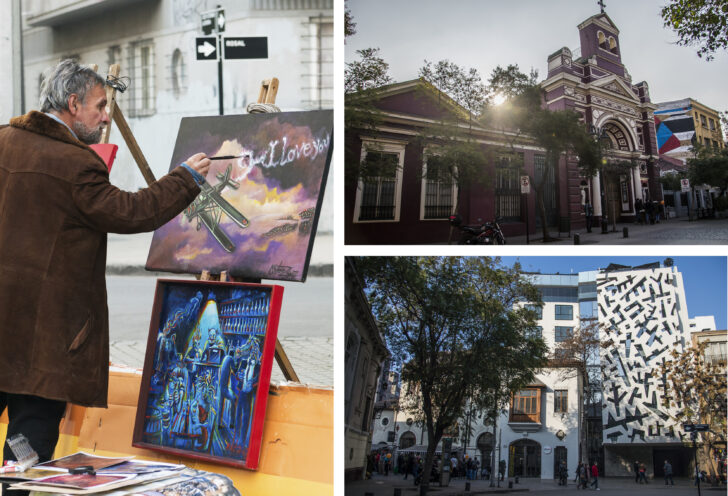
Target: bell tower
column 599, row 38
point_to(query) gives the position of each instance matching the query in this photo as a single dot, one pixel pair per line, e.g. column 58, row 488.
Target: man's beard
column 86, row 135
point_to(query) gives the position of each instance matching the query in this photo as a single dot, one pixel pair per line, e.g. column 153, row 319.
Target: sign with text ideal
column 246, row 48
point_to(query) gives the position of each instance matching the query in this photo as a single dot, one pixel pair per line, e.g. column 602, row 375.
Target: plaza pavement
column 380, row 485
column 312, row 358
column 679, row 231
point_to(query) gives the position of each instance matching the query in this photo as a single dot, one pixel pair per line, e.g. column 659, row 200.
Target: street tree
column 362, row 78
column 694, row 388
column 349, row 24
column 579, row 354
column 709, row 166
column 558, row 132
column 701, row 23
column 464, row 86
column 453, row 156
column 455, row 325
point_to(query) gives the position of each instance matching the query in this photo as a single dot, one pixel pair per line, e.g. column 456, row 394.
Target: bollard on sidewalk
column 625, row 232
column 397, row 491
column 467, row 486
column 577, row 240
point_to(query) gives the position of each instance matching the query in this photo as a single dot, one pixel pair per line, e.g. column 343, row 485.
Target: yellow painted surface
column 297, row 448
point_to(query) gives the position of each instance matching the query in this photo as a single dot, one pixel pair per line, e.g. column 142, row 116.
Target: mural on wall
column 257, row 212
column 675, row 130
column 642, row 312
column 207, row 370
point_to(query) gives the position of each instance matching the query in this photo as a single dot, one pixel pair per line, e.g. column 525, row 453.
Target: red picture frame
column 207, row 370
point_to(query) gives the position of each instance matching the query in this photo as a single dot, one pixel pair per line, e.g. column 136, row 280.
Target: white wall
column 6, row 61
column 569, row 422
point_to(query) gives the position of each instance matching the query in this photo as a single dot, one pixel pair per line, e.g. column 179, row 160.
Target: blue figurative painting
column 204, row 371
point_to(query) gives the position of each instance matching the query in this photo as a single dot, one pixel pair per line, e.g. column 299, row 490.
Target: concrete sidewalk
column 667, row 232
column 380, row 485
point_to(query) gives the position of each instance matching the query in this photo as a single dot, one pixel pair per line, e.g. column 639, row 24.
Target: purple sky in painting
column 280, row 177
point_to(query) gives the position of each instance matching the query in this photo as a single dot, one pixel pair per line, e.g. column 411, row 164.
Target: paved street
column 385, row 486
column 670, row 232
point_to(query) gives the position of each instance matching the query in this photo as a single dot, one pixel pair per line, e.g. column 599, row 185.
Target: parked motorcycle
column 488, row 233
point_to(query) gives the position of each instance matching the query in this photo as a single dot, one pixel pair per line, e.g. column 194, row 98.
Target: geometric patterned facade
column 643, row 317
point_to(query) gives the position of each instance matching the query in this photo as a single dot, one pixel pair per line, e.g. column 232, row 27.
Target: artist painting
column 210, row 352
column 256, row 216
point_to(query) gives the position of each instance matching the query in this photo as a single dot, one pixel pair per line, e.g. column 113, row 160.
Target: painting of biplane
column 258, row 209
column 207, row 370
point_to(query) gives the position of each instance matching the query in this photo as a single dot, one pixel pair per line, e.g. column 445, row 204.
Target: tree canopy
column 558, row 132
column 709, row 166
column 694, row 388
column 368, row 73
column 701, row 23
column 455, row 325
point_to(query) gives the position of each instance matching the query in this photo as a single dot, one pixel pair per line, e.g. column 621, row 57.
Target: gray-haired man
column 56, row 206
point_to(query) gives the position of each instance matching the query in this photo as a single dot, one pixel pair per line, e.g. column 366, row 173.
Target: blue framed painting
column 207, row 370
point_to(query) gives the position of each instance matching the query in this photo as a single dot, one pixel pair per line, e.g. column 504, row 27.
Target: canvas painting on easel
column 207, row 370
column 258, row 210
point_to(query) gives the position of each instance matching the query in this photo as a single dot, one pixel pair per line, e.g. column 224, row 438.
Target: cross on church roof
column 601, row 5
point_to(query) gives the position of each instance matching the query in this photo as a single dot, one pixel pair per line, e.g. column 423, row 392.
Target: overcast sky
column 486, row 33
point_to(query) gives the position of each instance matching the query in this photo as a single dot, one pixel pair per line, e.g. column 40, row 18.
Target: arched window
column 602, row 40
column 406, row 440
column 179, row 73
column 485, row 446
column 612, row 44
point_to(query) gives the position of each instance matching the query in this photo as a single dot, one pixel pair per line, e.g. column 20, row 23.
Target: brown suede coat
column 56, row 206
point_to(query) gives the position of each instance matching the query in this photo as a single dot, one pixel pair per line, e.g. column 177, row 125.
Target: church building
column 594, row 82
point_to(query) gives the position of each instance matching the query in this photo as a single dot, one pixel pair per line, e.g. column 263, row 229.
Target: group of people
column 648, row 211
column 584, row 473
column 413, row 464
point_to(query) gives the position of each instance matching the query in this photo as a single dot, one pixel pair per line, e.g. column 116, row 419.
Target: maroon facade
column 620, row 113
column 406, row 109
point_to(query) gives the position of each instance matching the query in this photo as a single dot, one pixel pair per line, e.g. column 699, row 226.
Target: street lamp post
column 600, row 134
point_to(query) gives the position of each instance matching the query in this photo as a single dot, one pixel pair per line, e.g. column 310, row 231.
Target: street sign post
column 525, row 190
column 693, row 429
column 213, row 21
column 246, row 48
column 217, row 48
column 206, row 48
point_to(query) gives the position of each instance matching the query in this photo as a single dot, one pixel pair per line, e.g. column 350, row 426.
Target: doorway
column 524, row 458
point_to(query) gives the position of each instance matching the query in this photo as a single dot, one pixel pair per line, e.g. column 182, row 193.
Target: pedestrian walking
column 636, row 471
column 502, row 469
column 639, row 207
column 409, row 465
column 668, row 473
column 595, row 476
column 589, row 214
column 563, row 473
column 643, row 473
column 576, row 475
column 584, row 475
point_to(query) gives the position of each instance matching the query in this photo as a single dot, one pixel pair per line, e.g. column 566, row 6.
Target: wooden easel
column 268, row 92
